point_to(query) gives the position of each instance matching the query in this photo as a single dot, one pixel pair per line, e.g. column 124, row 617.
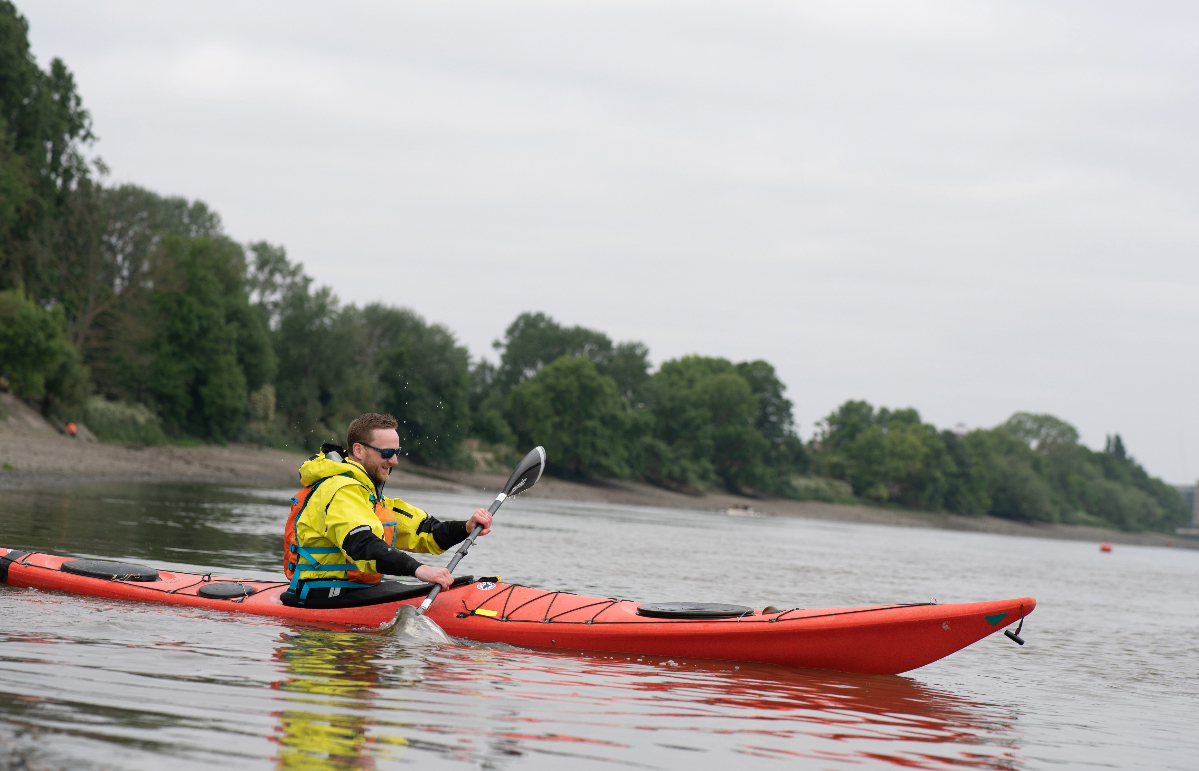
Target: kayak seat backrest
column 376, row 594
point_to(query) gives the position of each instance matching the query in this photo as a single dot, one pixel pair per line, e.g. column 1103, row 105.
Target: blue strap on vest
column 306, row 553
column 326, row 584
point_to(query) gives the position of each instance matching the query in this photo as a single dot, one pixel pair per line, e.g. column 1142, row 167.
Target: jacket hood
column 320, row 467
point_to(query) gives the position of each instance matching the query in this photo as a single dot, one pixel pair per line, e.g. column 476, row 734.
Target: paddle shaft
column 462, row 550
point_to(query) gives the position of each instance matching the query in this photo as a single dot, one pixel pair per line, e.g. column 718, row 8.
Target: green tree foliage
column 716, row 421
column 35, row 356
column 579, row 416
column 320, row 380
column 786, row 453
column 887, row 455
column 533, row 340
column 1030, row 468
column 143, row 250
column 43, row 129
column 337, row 361
column 207, row 348
column 423, row 378
column 487, row 405
column 697, row 422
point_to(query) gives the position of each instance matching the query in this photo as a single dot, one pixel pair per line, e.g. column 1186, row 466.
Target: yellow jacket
column 344, row 500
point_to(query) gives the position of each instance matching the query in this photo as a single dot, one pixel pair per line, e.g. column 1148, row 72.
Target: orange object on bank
column 71, row 429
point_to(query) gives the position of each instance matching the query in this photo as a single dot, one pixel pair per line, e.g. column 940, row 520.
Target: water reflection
column 769, row 712
column 336, row 672
column 354, row 701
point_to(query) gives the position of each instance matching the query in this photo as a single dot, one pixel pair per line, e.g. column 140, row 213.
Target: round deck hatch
column 113, row 571
column 693, row 610
column 225, row 590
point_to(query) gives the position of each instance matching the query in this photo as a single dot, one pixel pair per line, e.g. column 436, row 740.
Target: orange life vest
column 298, row 559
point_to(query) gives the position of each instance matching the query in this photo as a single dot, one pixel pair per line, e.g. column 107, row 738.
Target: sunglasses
column 387, row 454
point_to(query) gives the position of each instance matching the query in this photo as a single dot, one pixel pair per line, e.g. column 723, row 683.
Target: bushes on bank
column 122, row 423
column 821, row 489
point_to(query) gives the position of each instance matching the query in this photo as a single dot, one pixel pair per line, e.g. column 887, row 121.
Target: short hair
column 364, row 426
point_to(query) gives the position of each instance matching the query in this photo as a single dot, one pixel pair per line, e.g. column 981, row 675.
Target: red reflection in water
column 748, row 700
column 347, row 709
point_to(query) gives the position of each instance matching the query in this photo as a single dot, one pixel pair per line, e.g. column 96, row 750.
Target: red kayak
column 886, row 639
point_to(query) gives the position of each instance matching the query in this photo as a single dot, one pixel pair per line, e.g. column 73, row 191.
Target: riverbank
column 641, row 494
column 32, row 452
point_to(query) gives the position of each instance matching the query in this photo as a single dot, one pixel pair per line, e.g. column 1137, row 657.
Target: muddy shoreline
column 33, row 454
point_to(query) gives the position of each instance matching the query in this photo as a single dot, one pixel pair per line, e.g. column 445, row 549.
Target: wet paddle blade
column 526, row 473
column 411, row 626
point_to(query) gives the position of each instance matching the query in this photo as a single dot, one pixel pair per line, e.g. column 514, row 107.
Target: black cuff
column 448, row 534
column 398, row 563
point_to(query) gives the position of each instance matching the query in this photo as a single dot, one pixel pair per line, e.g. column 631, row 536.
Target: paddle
column 527, row 472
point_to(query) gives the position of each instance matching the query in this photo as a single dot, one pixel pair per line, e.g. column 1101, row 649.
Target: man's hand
column 431, row 574
column 480, row 517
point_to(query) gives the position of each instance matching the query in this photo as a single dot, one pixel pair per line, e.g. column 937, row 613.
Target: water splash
column 410, row 626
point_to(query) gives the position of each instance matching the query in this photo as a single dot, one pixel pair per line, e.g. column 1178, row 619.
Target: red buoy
column 1105, row 547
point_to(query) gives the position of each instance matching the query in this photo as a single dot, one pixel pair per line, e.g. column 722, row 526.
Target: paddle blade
column 527, row 472
column 411, row 627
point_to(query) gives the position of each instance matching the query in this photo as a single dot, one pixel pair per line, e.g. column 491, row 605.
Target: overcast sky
column 968, row 208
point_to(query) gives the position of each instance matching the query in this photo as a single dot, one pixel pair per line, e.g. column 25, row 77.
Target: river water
column 1109, row 677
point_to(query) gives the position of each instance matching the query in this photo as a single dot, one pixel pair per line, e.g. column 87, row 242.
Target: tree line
column 137, row 315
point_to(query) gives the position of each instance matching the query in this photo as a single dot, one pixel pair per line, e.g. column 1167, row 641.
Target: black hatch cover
column 118, row 571
column 693, row 610
column 225, row 590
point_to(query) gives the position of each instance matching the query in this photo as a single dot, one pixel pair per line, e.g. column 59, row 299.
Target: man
column 343, row 535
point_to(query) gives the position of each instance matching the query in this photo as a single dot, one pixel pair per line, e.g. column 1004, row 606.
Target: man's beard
column 379, row 475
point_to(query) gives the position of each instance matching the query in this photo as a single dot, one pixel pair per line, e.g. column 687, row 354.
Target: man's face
column 377, row 468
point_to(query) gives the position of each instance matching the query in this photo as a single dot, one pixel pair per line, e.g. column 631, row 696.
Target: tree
column 533, row 340
column 966, row 488
column 889, row 455
column 321, row 380
column 43, row 130
column 1041, row 432
column 487, row 405
column 577, row 414
column 423, row 380
column 36, row 357
column 716, row 421
column 1029, row 468
column 629, row 369
column 775, row 421
column 269, row 278
column 207, row 347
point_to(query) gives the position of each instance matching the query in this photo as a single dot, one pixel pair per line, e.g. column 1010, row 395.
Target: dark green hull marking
column 994, row 620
